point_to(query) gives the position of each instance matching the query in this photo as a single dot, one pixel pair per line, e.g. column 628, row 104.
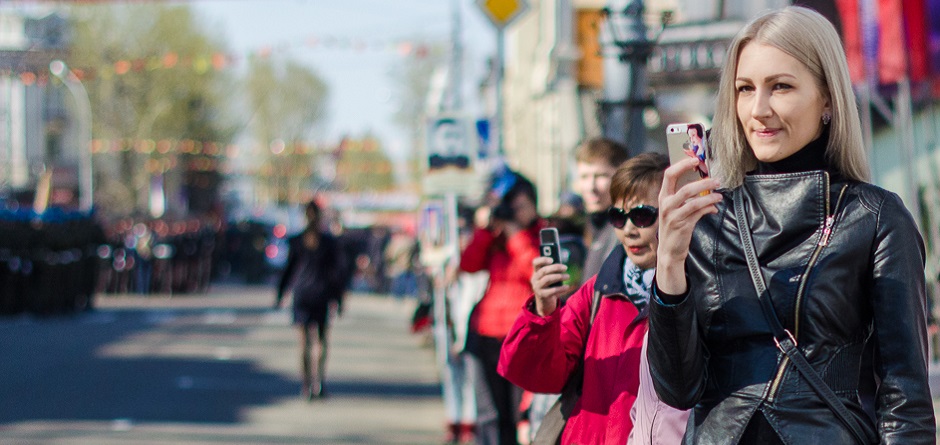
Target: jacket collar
column 790, row 204
column 610, row 277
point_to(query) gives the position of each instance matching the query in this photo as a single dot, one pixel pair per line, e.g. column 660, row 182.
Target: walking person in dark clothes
column 316, row 274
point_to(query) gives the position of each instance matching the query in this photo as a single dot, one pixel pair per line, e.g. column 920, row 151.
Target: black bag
column 553, row 424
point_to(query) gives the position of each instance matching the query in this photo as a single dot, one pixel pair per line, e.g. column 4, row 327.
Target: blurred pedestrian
column 377, row 242
column 505, row 248
column 399, row 256
column 793, row 297
column 315, row 273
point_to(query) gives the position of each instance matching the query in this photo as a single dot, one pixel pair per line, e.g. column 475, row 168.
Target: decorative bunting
column 205, row 63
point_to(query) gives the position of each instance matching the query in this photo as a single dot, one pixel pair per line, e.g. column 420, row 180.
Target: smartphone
column 687, row 140
column 550, row 247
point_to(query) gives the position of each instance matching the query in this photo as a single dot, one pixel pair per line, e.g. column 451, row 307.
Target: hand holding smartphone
column 550, row 247
column 688, row 140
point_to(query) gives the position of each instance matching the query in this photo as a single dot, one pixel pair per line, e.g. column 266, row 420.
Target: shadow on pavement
column 345, row 388
column 54, row 369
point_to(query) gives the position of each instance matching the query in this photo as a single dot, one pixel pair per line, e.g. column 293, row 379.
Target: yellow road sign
column 502, row 12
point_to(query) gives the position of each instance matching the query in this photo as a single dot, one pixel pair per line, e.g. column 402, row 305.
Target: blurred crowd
column 157, row 256
column 57, row 261
column 48, row 262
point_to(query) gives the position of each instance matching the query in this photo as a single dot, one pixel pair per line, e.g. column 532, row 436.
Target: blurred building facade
column 553, row 79
column 36, row 130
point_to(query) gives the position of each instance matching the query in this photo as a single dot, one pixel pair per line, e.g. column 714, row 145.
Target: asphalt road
column 214, row 369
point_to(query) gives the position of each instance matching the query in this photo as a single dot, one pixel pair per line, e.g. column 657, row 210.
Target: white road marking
column 219, row 317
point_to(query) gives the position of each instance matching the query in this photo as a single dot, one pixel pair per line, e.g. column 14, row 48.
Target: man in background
column 596, row 161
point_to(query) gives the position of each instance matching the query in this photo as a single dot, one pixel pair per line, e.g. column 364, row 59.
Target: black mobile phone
column 550, row 247
column 688, row 140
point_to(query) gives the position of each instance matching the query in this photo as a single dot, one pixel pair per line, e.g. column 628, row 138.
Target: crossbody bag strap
column 578, row 373
column 783, row 337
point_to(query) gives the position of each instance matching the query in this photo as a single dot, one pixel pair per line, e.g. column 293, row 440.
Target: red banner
column 892, row 54
column 915, row 30
column 889, row 36
column 852, row 38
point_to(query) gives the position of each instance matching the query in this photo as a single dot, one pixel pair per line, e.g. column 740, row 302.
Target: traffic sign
column 452, row 157
column 503, row 12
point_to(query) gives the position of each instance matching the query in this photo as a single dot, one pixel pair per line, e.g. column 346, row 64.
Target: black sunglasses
column 641, row 215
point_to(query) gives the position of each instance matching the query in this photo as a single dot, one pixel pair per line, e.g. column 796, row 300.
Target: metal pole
column 75, row 87
column 625, row 48
column 864, row 109
column 441, row 288
column 500, row 56
column 456, row 62
column 904, row 125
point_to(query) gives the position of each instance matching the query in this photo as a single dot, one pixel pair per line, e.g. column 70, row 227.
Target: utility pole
column 625, row 48
column 86, row 192
column 454, row 96
column 452, row 102
column 501, row 13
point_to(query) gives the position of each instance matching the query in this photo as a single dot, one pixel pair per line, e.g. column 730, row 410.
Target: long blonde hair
column 810, row 38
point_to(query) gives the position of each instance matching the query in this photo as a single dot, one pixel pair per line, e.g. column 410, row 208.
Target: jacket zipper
column 823, row 242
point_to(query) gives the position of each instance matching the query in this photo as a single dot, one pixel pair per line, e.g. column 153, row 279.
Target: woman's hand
column 679, row 210
column 545, row 273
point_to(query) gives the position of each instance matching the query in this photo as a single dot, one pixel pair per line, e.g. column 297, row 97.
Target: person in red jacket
column 548, row 338
column 505, row 248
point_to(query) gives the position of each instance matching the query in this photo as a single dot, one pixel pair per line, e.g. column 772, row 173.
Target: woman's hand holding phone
column 680, row 208
column 545, row 275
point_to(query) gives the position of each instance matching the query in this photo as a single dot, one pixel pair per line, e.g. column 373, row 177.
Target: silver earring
column 826, row 118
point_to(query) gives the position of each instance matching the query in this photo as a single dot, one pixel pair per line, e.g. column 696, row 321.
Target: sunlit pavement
column 218, row 369
column 214, row 369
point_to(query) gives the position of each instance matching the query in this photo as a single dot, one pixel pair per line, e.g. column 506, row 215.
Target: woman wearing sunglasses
column 545, row 345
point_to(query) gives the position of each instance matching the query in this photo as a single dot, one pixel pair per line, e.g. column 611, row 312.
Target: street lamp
column 85, row 186
column 626, row 47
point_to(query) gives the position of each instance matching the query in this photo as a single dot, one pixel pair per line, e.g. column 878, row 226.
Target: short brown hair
column 637, row 177
column 601, row 149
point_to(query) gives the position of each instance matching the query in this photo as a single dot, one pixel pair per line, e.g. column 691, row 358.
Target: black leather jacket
column 859, row 316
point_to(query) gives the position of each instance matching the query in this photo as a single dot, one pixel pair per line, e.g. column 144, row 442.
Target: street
column 220, row 368
column 214, row 369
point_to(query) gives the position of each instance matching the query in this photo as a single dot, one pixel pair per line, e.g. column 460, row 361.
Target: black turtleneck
column 809, row 158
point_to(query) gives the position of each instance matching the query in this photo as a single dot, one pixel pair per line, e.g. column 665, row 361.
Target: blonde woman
column 834, row 284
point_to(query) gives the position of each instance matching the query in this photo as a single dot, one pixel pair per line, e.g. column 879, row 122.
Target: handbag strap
column 784, row 338
column 577, row 375
column 553, row 423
